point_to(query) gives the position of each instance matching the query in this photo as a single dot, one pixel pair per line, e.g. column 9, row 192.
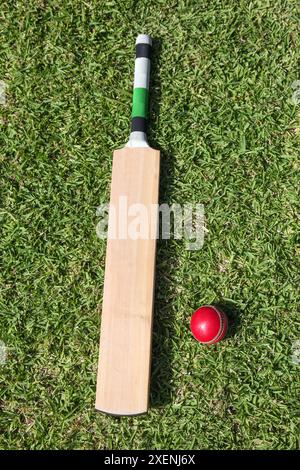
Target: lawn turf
column 224, row 118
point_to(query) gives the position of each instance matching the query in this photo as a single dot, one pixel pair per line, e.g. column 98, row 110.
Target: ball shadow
column 234, row 316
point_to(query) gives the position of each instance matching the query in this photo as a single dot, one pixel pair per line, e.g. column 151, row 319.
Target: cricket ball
column 209, row 324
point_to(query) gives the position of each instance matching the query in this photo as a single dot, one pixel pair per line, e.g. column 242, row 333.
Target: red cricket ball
column 209, row 324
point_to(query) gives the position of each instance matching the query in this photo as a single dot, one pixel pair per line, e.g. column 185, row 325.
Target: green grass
column 228, row 131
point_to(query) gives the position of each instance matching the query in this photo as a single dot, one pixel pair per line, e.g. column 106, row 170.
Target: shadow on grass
column 163, row 329
column 233, row 314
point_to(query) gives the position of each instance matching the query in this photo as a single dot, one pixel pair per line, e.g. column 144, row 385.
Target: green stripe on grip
column 140, row 102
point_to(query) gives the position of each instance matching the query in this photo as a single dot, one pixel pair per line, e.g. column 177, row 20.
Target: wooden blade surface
column 126, row 322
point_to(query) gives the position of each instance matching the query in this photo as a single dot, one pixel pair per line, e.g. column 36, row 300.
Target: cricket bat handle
column 139, row 115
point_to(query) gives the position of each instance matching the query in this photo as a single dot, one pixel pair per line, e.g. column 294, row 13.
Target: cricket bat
column 127, row 309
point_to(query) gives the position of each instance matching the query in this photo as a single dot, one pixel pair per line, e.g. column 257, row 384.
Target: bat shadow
column 163, row 322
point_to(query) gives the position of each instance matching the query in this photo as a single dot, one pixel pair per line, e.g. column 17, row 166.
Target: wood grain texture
column 126, row 322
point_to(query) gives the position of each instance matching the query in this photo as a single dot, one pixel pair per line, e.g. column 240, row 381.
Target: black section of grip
column 138, row 124
column 143, row 50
